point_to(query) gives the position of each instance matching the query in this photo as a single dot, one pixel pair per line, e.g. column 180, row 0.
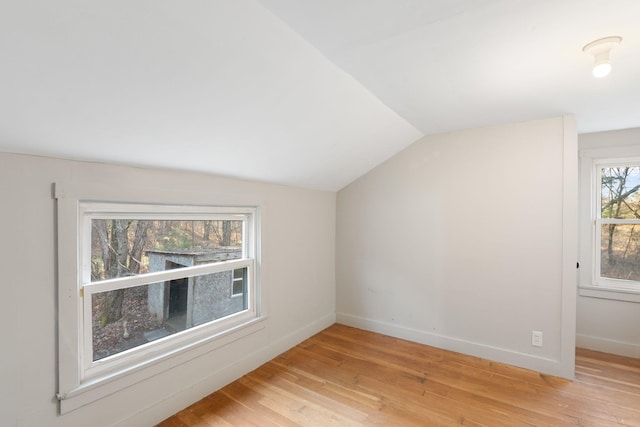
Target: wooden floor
column 349, row 377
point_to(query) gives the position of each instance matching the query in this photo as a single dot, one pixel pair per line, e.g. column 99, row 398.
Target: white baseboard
column 605, row 345
column 527, row 361
column 191, row 393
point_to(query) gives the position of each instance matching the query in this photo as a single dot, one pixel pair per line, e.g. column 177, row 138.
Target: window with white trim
column 140, row 283
column 610, row 224
column 617, row 223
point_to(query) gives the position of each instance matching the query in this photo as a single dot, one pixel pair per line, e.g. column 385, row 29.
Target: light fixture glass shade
column 600, row 50
column 601, row 70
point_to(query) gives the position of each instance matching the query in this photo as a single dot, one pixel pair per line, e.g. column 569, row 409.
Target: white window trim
column 81, row 380
column 590, row 282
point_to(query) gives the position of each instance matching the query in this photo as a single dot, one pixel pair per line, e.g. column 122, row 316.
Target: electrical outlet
column 536, row 338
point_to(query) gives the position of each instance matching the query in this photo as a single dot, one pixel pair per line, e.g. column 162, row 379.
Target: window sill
column 616, row 294
column 94, row 390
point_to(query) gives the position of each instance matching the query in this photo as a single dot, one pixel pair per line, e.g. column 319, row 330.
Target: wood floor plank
column 257, row 402
column 345, row 376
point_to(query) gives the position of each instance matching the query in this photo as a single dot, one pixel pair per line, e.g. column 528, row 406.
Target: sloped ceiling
column 453, row 64
column 304, row 93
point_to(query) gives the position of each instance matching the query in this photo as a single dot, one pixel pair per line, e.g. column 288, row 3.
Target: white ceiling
column 304, row 93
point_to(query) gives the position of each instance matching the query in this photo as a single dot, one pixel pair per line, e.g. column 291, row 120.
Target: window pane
column 128, row 318
column 239, row 281
column 619, row 192
column 126, row 247
column 620, row 251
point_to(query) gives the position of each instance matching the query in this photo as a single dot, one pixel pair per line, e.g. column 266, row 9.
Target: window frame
column 591, row 283
column 598, row 221
column 82, row 380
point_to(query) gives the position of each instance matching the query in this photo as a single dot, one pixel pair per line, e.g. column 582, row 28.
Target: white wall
column 609, row 325
column 467, row 241
column 298, row 255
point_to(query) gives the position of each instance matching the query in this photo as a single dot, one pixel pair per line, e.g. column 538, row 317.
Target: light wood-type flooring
column 349, row 377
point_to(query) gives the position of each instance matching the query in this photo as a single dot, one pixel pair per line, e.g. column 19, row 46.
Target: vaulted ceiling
column 305, row 93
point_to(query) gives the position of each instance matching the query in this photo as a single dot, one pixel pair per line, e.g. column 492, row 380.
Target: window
column 148, row 281
column 610, row 224
column 617, row 223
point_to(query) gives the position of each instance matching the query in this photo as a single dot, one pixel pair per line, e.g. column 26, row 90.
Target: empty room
column 320, row 213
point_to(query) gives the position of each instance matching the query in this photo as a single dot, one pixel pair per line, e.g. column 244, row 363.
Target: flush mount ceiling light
column 600, row 50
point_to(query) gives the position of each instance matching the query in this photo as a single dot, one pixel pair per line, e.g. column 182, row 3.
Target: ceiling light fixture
column 600, row 50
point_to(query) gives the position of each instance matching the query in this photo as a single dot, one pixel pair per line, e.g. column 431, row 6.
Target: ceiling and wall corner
column 308, row 94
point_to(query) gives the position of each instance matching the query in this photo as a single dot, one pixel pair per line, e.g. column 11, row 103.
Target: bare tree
column 120, row 258
column 617, row 202
column 100, row 229
column 111, row 309
column 137, row 248
column 226, row 233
